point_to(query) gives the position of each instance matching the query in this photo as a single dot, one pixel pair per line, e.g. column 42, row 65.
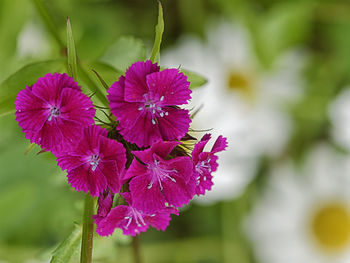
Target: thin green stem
column 88, row 230
column 136, row 249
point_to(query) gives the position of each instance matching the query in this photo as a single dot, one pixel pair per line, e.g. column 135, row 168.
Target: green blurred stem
column 88, row 230
column 136, row 249
column 48, row 21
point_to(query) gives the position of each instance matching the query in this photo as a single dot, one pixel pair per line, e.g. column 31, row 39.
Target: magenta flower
column 132, row 220
column 206, row 162
column 105, row 203
column 158, row 180
column 53, row 111
column 96, row 164
column 144, row 101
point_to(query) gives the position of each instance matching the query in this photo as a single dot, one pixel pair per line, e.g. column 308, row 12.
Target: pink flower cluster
column 143, row 160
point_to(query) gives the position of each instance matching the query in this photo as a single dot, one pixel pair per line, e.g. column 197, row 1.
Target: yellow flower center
column 242, row 83
column 331, row 226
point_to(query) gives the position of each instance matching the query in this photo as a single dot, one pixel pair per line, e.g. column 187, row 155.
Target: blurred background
column 278, row 87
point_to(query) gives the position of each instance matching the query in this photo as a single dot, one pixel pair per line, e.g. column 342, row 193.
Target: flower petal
column 84, row 179
column 169, row 87
column 135, row 169
column 219, row 145
column 114, row 219
column 160, row 220
column 199, row 147
column 110, row 171
column 127, row 113
column 145, row 198
column 144, row 133
column 49, row 87
column 76, row 106
column 113, row 151
column 135, row 80
column 174, row 125
column 31, row 111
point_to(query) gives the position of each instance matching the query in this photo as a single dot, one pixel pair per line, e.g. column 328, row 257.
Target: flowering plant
column 142, row 153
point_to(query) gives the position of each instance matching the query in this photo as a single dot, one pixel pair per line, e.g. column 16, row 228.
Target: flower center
column 331, row 226
column 134, row 215
column 94, row 160
column 153, row 107
column 54, row 112
column 203, row 167
column 242, row 83
column 159, row 173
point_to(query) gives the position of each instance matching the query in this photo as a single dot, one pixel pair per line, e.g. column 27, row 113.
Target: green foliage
column 284, row 26
column 13, row 15
column 71, row 53
column 124, row 52
column 25, row 76
column 159, row 33
column 69, row 248
column 195, row 79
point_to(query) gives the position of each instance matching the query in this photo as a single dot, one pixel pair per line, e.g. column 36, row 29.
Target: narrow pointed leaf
column 25, row 76
column 104, row 84
column 86, row 77
column 72, row 56
column 29, row 148
column 159, row 34
column 106, row 71
column 68, row 248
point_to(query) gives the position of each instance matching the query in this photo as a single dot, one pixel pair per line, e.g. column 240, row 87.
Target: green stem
column 136, row 249
column 88, row 230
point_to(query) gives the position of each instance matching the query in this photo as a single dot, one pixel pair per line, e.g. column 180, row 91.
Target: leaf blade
column 69, row 247
column 159, row 33
column 195, row 79
column 71, row 52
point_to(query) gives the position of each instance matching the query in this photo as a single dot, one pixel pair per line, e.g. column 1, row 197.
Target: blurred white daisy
column 304, row 216
column 339, row 112
column 242, row 101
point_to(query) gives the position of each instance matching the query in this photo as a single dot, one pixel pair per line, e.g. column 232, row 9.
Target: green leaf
column 69, row 247
column 103, row 82
column 124, row 52
column 158, row 37
column 72, row 56
column 86, row 76
column 27, row 75
column 195, row 79
column 109, row 73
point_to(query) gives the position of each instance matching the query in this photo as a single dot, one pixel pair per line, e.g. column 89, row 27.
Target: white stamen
column 54, row 112
column 94, row 160
column 153, row 122
column 161, row 98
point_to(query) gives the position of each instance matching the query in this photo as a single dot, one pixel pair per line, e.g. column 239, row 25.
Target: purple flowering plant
column 141, row 163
